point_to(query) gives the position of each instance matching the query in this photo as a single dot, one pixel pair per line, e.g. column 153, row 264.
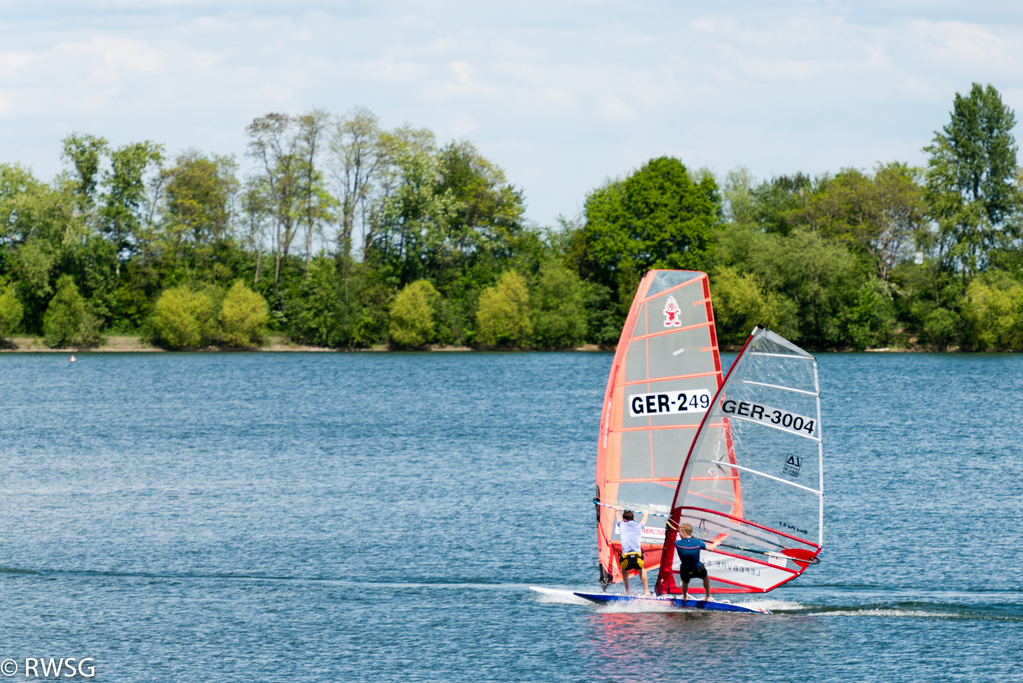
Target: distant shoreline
column 281, row 344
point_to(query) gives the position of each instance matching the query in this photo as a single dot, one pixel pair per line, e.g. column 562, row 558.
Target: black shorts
column 699, row 572
column 631, row 561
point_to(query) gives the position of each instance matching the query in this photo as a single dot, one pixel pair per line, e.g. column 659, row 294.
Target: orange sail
column 665, row 374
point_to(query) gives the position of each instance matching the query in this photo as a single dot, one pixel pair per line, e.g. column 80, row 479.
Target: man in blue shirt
column 631, row 533
column 689, row 565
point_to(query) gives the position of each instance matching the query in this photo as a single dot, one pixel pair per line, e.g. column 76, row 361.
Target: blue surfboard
column 674, row 601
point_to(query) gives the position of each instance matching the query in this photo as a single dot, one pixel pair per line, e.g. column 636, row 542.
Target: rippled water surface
column 382, row 517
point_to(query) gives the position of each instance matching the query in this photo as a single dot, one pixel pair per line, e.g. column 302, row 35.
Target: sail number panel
column 772, row 417
column 670, row 403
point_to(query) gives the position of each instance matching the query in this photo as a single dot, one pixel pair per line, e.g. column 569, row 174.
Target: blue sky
column 562, row 94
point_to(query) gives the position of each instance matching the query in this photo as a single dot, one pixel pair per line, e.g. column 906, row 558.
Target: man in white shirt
column 631, row 533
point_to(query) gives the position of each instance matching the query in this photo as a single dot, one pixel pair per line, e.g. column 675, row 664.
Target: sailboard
column 670, row 601
column 753, row 480
column 665, row 372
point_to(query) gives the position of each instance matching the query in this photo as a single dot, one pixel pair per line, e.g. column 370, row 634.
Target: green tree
column 504, row 314
column 291, row 183
column 39, row 227
column 243, row 317
column 273, row 143
column 970, row 180
column 877, row 216
column 197, row 215
column 319, row 315
column 659, row 217
column 84, row 153
column 741, row 303
column 821, row 278
column 357, row 154
column 67, row 321
column 942, row 328
column 314, row 201
column 409, row 224
column 413, row 314
column 183, row 319
column 560, row 315
column 11, row 311
column 871, row 322
column 771, row 203
column 738, row 196
column 123, row 217
column 486, row 220
column 994, row 311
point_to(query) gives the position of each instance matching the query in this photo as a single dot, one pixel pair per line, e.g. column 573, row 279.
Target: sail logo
column 732, row 566
column 672, row 313
column 772, row 417
column 792, row 527
column 670, row 403
column 651, row 534
column 792, row 465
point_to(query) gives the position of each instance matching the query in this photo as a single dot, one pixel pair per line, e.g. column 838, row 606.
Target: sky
column 561, row 94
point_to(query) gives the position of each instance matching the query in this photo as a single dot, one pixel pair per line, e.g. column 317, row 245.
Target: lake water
column 381, row 517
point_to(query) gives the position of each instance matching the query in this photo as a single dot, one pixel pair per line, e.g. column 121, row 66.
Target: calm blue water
column 381, row 517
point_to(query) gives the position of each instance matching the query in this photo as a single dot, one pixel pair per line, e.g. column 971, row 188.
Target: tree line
column 348, row 235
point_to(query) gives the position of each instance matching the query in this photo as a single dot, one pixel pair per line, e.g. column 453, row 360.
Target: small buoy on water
column 72, row 359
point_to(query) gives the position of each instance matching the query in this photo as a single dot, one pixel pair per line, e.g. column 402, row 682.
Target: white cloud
column 613, row 109
column 963, row 46
column 563, row 95
column 461, row 70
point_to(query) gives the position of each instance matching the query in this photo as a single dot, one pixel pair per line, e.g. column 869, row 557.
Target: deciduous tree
column 67, row 321
column 413, row 314
column 356, row 153
column 659, row 217
column 560, row 314
column 183, row 319
column 970, row 180
column 243, row 317
column 273, row 144
column 504, row 313
column 199, row 193
column 877, row 215
column 84, row 153
column 410, row 220
column 123, row 216
column 11, row 311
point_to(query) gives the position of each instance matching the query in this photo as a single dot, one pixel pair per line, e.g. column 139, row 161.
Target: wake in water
column 943, row 606
column 557, row 596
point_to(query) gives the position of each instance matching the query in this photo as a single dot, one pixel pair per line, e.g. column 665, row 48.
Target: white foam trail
column 917, row 614
column 771, row 605
column 558, row 596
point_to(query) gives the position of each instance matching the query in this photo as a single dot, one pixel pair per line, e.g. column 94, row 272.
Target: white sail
column 754, row 477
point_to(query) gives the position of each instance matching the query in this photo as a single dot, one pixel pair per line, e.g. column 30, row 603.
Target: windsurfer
column 631, row 533
column 688, row 550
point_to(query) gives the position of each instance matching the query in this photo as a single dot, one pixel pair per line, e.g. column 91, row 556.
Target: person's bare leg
column 625, row 579
column 706, row 587
column 685, row 591
column 642, row 575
